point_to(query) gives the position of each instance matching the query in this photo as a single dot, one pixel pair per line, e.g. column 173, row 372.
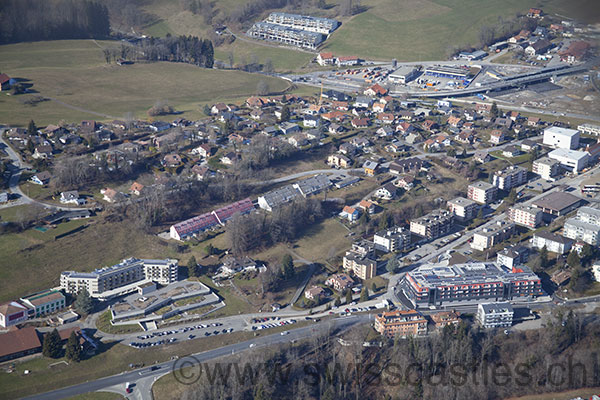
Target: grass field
column 97, row 396
column 74, row 72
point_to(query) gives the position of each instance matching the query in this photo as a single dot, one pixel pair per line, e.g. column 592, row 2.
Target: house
column 159, row 126
column 204, row 150
column 370, row 167
column 42, row 152
column 466, row 137
column 338, row 116
column 406, row 165
column 71, row 197
column 405, row 182
column 396, row 147
column 340, row 105
column 482, row 156
column 413, row 137
column 497, row 136
column 386, row 118
column 41, row 178
column 339, row 161
column 346, row 61
column 311, row 121
column 386, row 192
column 219, row 108
column 533, row 121
column 298, row 140
column 256, row 102
column 201, row 172
column 363, row 102
column 379, row 107
column 539, row 47
column 577, row 51
column 289, row 127
column 326, row 59
column 19, row 343
column 429, row 125
column 404, row 128
column 505, row 123
column 350, row 213
column 529, row 145
column 257, row 115
column 400, row 324
column 5, row 82
column 552, row 242
column 513, row 256
column 340, row 282
column 111, row 195
column 367, row 206
column 136, row 188
column 347, row 148
column 534, row 13
column 454, row 121
column 511, row 151
column 445, row 318
column 314, row 293
column 375, row 90
column 360, row 123
column 360, row 142
column 171, row 160
column 234, row 265
column 230, row 158
column 335, row 95
column 522, row 35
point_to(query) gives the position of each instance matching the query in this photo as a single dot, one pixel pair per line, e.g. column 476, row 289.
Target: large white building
column 585, row 226
column 303, row 22
column 571, row 160
column 495, row 315
column 561, row 138
column 546, row 167
column 552, row 242
column 128, row 272
column 589, row 129
column 510, row 177
column 524, row 215
column 403, row 75
column 463, row 209
column 391, row 240
column 482, row 192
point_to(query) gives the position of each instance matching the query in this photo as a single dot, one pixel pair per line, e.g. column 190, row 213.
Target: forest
column 33, row 20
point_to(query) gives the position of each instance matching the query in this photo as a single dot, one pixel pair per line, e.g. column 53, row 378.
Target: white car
column 284, row 333
column 252, row 345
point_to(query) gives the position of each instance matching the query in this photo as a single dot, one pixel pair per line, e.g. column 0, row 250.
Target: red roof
column 196, row 224
column 325, row 56
column 225, row 213
column 18, row 341
column 4, row 78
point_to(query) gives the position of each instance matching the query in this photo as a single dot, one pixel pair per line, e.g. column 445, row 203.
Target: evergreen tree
column 364, row 294
column 73, row 349
column 587, row 253
column 573, row 260
column 494, row 112
column 480, row 213
column 84, row 302
column 206, row 109
column 192, row 266
column 30, row 146
column 337, row 302
column 32, row 129
column 348, row 296
column 285, row 113
column 287, row 265
column 373, row 287
column 512, row 197
column 52, row 345
column 543, row 257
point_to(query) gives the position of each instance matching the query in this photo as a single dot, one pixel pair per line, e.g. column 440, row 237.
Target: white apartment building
column 303, row 22
column 463, row 209
column 489, row 237
column 552, row 242
column 127, row 272
column 523, row 215
column 433, row 225
column 571, row 160
column 589, row 129
column 392, row 240
column 510, row 177
column 547, row 168
column 495, row 315
column 561, row 138
column 482, row 192
column 583, row 231
column 589, row 215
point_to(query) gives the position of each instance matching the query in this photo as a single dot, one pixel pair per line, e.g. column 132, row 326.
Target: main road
column 157, row 370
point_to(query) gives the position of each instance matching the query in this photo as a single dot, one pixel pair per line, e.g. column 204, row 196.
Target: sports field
column 76, row 74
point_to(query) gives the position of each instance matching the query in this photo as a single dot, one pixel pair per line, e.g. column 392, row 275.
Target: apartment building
column 286, row 35
column 401, row 323
column 463, row 209
column 589, row 129
column 482, row 192
column 477, row 282
column 510, row 177
column 433, row 225
column 392, row 240
column 580, row 230
column 552, row 242
column 363, row 267
column 525, row 215
column 546, row 167
column 108, row 279
column 489, row 237
column 303, row 22
column 495, row 315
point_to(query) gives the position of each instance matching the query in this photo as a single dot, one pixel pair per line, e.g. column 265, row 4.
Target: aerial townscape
column 308, row 199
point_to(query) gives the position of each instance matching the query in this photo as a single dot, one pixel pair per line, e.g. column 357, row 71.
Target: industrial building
column 403, row 75
column 479, row 282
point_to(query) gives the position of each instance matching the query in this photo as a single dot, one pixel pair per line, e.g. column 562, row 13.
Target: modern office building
column 482, row 192
column 123, row 275
column 495, row 315
column 561, row 138
column 571, row 160
column 478, row 282
column 510, row 177
column 44, row 302
column 433, row 225
column 401, row 323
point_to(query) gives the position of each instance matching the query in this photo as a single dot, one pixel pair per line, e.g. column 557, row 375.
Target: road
column 330, row 171
column 322, row 327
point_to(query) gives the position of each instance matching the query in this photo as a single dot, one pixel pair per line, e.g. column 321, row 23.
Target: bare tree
column 262, row 88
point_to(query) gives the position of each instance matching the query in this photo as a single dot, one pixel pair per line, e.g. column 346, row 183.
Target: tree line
column 32, row 20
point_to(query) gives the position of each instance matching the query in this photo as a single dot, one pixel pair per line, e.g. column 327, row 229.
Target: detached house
column 43, row 152
column 326, row 59
column 350, row 213
column 387, row 192
column 375, row 90
column 136, row 188
column 41, row 178
column 204, row 150
column 171, row 161
column 360, row 123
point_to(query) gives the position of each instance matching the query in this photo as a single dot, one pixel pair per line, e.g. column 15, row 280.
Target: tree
column 52, row 345
column 84, row 302
column 451, row 152
column 73, row 349
column 206, row 109
column 32, row 129
column 192, row 266
column 587, row 253
column 512, row 197
column 287, row 266
column 337, row 302
column 373, row 287
column 285, row 113
column 364, row 294
column 573, row 260
column 494, row 110
column 392, row 265
column 543, row 257
column 262, row 88
column 348, row 296
column 480, row 213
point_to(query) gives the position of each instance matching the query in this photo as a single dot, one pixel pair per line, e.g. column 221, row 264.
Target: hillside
column 74, row 72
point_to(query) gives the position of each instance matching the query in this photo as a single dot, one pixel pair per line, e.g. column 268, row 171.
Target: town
column 383, row 204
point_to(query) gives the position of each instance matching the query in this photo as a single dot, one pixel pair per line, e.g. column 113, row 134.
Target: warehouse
column 403, row 75
column 447, row 72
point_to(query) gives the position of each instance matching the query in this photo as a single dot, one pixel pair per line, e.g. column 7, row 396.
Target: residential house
column 497, row 136
column 454, row 121
column 71, row 197
column 314, row 293
column 347, row 148
column 230, row 158
column 539, row 47
column 405, row 182
column 491, row 236
column 136, row 188
column 171, row 160
column 219, row 108
column 339, row 161
column 386, row 118
column 529, row 145
column 385, row 131
column 482, row 156
column 404, row 128
column 360, row 123
column 370, row 167
column 289, row 127
column 386, row 192
column 340, row 282
column 204, row 150
column 4, row 82
column 363, row 102
column 298, row 140
column 367, row 206
column 379, row 107
column 326, row 58
column 533, row 121
column 111, row 195
column 350, row 213
column 346, row 61
column 43, row 152
column 41, row 178
column 429, row 125
column 511, row 151
column 375, row 90
column 257, row 115
column 201, row 172
column 407, row 165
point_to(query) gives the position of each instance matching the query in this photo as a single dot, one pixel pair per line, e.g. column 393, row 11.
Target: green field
column 74, row 72
column 414, row 30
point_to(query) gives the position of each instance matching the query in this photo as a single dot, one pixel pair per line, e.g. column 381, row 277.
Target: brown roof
column 10, row 308
column 38, row 300
column 65, row 333
column 18, row 341
column 557, row 201
column 4, row 78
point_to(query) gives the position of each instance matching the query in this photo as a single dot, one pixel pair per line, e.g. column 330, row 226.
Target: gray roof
column 281, row 196
column 557, row 201
column 547, row 235
column 495, row 308
column 313, row 184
